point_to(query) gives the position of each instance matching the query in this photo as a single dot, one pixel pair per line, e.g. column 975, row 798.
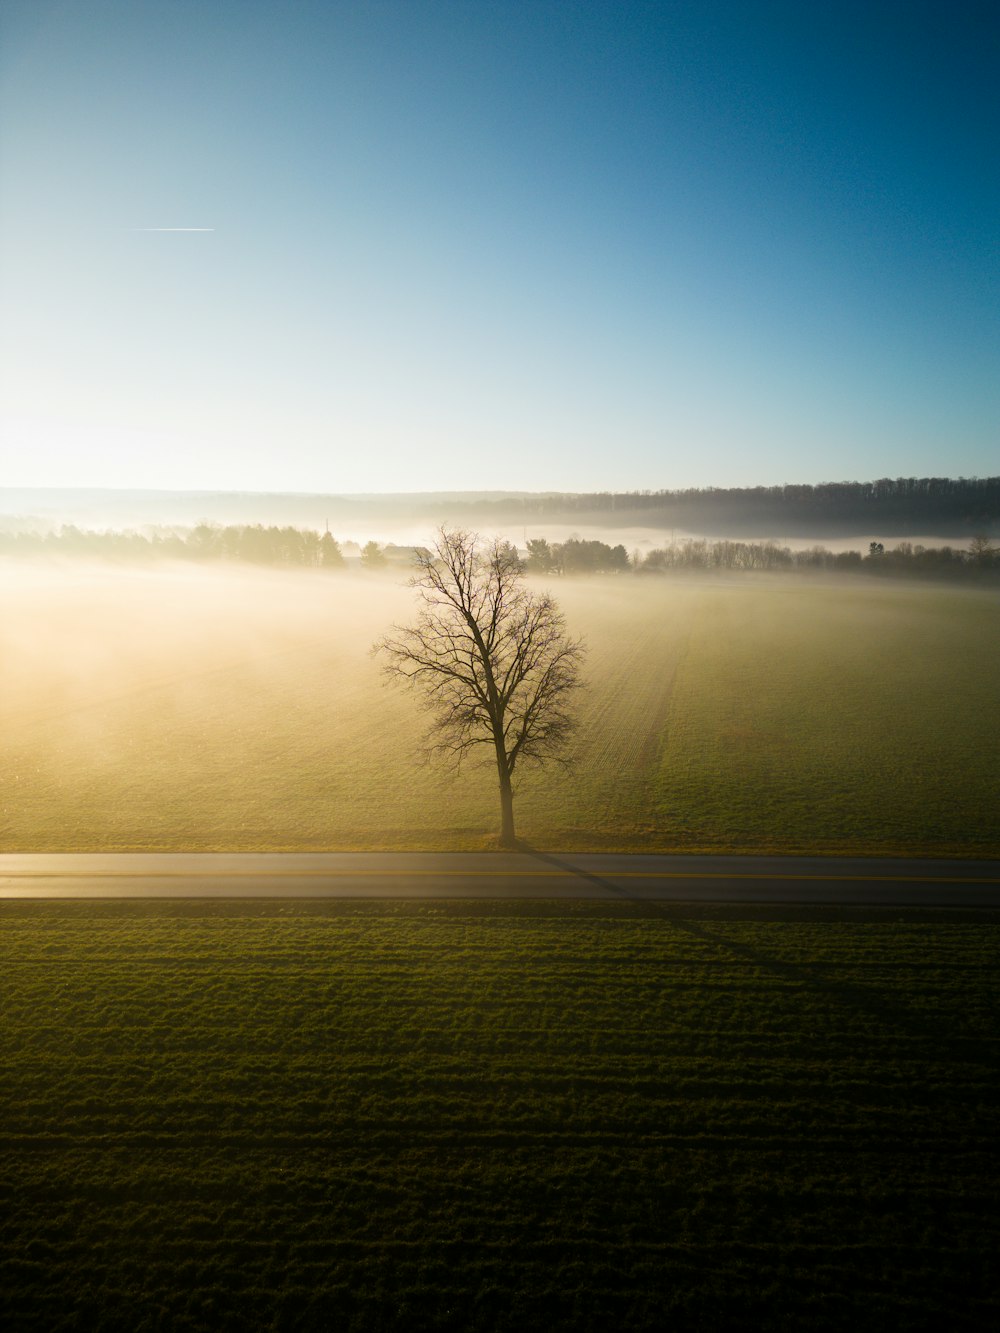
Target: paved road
column 502, row 875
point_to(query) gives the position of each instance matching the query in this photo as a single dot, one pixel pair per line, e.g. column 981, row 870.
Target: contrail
column 171, row 229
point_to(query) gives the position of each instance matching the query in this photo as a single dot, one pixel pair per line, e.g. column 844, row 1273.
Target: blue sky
column 499, row 245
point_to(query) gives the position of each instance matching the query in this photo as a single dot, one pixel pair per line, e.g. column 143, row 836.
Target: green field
column 199, row 709
column 497, row 1116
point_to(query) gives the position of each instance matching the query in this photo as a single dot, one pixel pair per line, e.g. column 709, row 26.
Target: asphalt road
column 731, row 879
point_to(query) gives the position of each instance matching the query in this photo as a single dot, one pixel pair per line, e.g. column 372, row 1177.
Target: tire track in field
column 622, row 730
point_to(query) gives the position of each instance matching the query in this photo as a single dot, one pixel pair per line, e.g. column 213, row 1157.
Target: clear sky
column 512, row 244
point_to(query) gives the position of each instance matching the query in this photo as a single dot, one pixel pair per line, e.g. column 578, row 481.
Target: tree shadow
column 875, row 1004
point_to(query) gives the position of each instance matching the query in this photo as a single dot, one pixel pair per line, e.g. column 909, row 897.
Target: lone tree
column 491, row 659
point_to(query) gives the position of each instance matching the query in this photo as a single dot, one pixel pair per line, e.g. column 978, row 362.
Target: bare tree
column 981, row 550
column 491, row 659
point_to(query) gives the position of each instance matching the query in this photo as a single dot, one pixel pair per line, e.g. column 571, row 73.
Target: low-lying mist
column 223, row 706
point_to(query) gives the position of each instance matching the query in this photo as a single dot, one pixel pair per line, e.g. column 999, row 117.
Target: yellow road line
column 487, row 874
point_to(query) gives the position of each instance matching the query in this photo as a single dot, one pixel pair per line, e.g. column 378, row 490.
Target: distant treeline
column 595, row 557
column 303, row 548
column 905, row 558
column 890, row 505
column 250, row 543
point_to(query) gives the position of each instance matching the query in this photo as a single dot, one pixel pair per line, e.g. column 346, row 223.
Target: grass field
column 221, row 1116
column 201, row 709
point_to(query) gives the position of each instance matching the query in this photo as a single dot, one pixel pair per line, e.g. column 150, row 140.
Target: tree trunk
column 507, row 838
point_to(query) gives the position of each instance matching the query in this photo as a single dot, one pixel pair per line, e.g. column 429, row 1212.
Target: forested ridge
column 901, row 507
column 894, row 506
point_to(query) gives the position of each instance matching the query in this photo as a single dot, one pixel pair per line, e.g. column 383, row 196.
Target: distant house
column 402, row 555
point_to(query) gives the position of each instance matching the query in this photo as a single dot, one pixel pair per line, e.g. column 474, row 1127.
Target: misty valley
column 499, row 667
